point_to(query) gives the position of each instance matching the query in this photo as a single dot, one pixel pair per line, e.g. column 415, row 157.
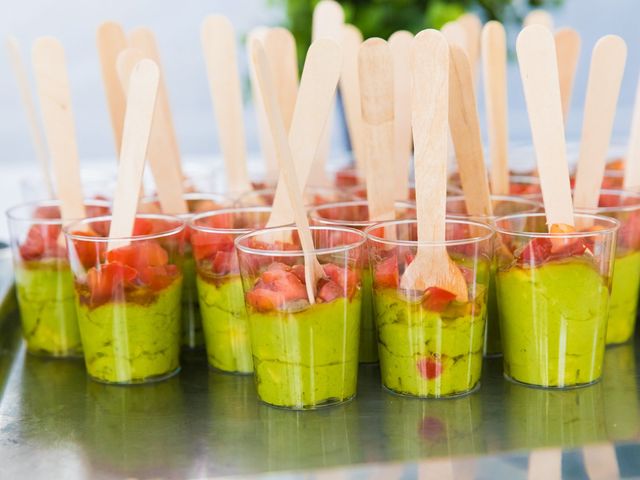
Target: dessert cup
column 128, row 295
column 312, row 196
column 430, row 343
column 44, row 283
column 553, row 297
column 224, row 316
column 305, row 354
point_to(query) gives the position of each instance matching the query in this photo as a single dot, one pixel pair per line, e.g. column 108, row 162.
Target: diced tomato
column 33, row 246
column 89, row 253
column 142, row 226
column 437, row 299
column 347, row 178
column 290, row 287
column 329, row 290
column 42, row 241
column 263, row 299
column 346, row 279
column 158, row 277
column 298, row 271
column 224, row 220
column 206, row 245
column 139, row 255
column 108, row 280
column 536, row 252
column 429, row 367
column 96, row 211
column 224, row 263
column 49, row 212
column 607, row 200
column 274, row 272
column 386, row 273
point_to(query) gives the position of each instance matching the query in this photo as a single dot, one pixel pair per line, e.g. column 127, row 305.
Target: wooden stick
column 376, row 87
column 315, row 100
column 53, row 89
column 605, row 77
column 37, row 136
column 266, row 142
column 328, row 22
column 312, row 269
column 455, row 34
column 429, row 106
column 350, row 92
column 144, row 40
column 400, row 44
column 632, row 162
column 473, row 28
column 568, row 51
column 465, row 132
column 280, row 47
column 139, row 113
column 111, row 40
column 539, row 17
column 166, row 175
column 219, row 47
column 539, row 72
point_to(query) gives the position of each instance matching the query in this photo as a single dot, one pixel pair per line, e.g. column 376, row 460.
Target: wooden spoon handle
column 350, row 91
column 280, row 47
column 568, row 52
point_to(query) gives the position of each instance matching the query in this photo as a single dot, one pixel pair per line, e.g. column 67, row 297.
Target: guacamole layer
column 410, row 335
column 624, row 298
column 192, row 332
column 493, row 341
column 127, row 342
column 368, row 336
column 553, row 322
column 46, row 299
column 226, row 326
column 307, row 359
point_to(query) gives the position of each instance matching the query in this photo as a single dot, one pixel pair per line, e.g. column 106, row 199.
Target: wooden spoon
column 465, row 132
column 315, row 100
column 455, row 34
column 166, row 175
column 111, row 40
column 632, row 161
column 605, row 77
column 568, row 51
column 312, row 269
column 53, row 89
column 429, row 106
column 494, row 67
column 350, row 92
column 141, row 102
column 219, row 47
column 376, row 87
column 37, row 136
column 539, row 72
column 400, row 44
column 328, row 22
column 144, row 40
column 539, row 17
column 473, row 28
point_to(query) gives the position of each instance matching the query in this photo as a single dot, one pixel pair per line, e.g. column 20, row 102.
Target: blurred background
column 177, row 27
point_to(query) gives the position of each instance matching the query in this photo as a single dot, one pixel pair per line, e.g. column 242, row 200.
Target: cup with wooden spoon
column 554, row 280
column 302, row 293
column 127, row 266
column 430, row 275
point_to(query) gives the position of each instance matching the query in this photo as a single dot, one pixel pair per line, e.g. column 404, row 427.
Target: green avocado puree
column 47, row 308
column 624, row 298
column 493, row 341
column 553, row 322
column 192, row 334
column 226, row 326
column 408, row 334
column 128, row 342
column 307, row 359
column 368, row 337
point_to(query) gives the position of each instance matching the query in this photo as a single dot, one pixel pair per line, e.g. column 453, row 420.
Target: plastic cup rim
column 133, row 238
column 52, row 202
column 225, row 211
column 615, row 225
column 351, row 203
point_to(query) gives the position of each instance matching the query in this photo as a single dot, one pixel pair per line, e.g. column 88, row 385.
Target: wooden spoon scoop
column 605, row 77
column 312, row 269
column 141, row 101
column 539, row 72
column 539, row 17
column 567, row 51
column 376, row 87
column 494, row 67
column 465, row 132
column 429, row 106
column 111, row 40
column 55, row 100
column 400, row 44
column 315, row 100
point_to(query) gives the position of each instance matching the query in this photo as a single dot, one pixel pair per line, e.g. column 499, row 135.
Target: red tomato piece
column 142, row 226
column 437, row 299
column 224, row 263
column 429, row 367
column 206, row 245
column 49, row 212
column 386, row 273
column 89, row 253
column 536, row 252
column 263, row 299
column 139, row 255
column 33, row 246
column 346, row 279
column 158, row 277
column 290, row 287
column 298, row 271
column 107, row 281
column 329, row 291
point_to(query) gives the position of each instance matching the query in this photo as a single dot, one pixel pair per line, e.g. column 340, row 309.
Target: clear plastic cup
column 624, row 206
column 305, row 355
column 192, row 333
column 553, row 297
column 312, row 196
column 129, row 297
column 502, row 205
column 44, row 283
column 224, row 316
column 355, row 214
column 430, row 343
